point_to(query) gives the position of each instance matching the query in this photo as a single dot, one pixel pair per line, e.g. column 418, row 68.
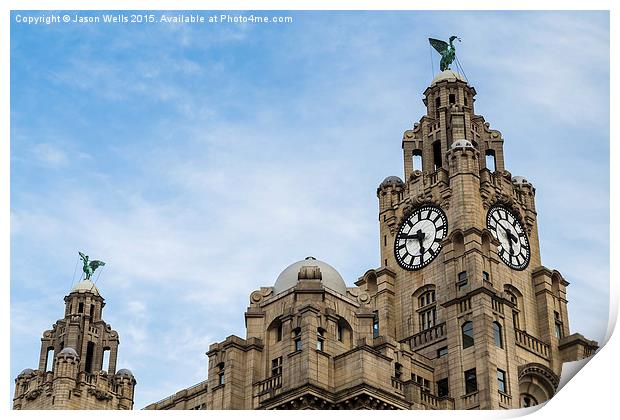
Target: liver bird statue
column 90, row 266
column 447, row 51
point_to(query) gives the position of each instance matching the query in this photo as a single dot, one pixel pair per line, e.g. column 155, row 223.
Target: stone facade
column 70, row 374
column 466, row 331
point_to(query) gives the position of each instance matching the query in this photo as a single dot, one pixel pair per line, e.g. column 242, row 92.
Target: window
column 497, row 335
column 485, row 276
column 437, row 154
column 384, row 240
column 276, row 366
column 106, row 359
column 437, row 105
column 427, row 298
column 92, row 310
column 465, row 99
column 471, row 384
column 49, row 359
column 90, row 352
column 442, row 351
column 375, row 325
column 462, row 280
column 452, row 98
column 490, row 160
column 442, row 388
column 428, row 318
column 417, row 160
column 558, row 324
column 297, row 338
column 81, row 308
column 220, row 374
column 398, row 370
column 468, row 334
column 501, row 381
column 320, row 339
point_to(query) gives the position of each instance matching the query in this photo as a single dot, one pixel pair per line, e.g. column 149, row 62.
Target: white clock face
column 419, row 238
column 514, row 248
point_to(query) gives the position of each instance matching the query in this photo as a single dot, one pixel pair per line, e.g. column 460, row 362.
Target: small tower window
column 297, row 338
column 279, row 332
column 92, row 310
column 106, row 359
column 398, row 370
column 467, row 331
column 49, row 359
column 471, row 383
column 465, row 100
column 417, row 160
column 81, row 308
column 320, row 339
column 452, row 98
column 276, row 366
column 462, row 281
column 490, row 160
column 90, row 352
column 443, row 388
column 497, row 335
column 501, row 381
column 220, row 373
column 375, row 325
column 437, row 154
column 437, row 105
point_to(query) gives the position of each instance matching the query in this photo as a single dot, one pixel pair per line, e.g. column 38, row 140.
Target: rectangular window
column 276, row 366
column 297, row 338
column 279, row 333
column 442, row 351
column 437, row 154
column 471, row 384
column 340, row 332
column 81, row 308
column 427, row 319
column 452, row 98
column 398, row 370
column 220, row 374
column 558, row 330
column 442, row 388
column 375, row 325
column 462, row 278
column 384, row 240
column 501, row 380
column 485, row 276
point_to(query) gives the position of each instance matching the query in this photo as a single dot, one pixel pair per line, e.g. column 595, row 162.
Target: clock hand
column 420, row 235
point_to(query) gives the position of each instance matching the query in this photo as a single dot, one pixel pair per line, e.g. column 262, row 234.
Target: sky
column 198, row 161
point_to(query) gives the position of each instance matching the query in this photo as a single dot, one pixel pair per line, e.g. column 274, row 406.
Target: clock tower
column 462, row 282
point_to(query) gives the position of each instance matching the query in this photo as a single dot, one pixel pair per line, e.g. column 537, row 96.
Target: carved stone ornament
column 32, row 395
column 100, row 394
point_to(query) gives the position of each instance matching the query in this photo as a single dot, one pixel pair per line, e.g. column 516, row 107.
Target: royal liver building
column 461, row 313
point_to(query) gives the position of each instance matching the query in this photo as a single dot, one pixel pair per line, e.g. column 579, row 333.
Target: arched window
column 320, row 339
column 437, row 154
column 220, row 373
column 497, row 335
column 467, row 333
column 515, row 298
column 297, row 338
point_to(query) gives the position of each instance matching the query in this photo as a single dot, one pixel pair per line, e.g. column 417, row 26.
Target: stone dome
column 68, row 351
column 462, row 143
column 519, row 180
column 391, row 181
column 449, row 75
column 85, row 286
column 26, row 372
column 124, row 372
column 329, row 276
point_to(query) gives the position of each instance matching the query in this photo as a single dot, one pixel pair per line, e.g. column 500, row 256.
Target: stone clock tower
column 463, row 283
column 460, row 314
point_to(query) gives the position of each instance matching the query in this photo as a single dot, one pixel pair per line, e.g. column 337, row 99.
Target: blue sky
column 199, row 161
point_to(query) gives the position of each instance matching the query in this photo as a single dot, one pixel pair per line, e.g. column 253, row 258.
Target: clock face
column 514, row 248
column 419, row 238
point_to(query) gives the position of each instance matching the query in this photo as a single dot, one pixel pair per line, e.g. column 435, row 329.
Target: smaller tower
column 77, row 362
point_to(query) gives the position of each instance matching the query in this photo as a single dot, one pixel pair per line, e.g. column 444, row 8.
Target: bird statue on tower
column 90, row 266
column 447, row 51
